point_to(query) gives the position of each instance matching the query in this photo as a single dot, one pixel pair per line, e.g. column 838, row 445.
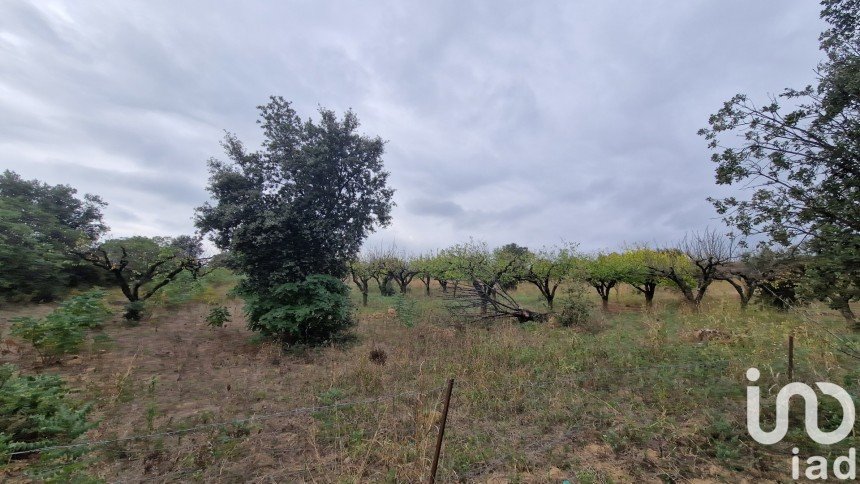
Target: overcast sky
column 532, row 122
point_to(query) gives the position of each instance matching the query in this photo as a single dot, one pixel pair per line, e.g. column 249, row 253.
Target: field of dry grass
column 633, row 397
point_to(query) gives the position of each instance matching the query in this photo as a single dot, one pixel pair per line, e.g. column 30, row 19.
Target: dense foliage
column 803, row 163
column 40, row 225
column 63, row 331
column 36, row 411
column 314, row 311
column 300, row 207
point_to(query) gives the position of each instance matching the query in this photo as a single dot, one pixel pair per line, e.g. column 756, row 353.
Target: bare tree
column 696, row 263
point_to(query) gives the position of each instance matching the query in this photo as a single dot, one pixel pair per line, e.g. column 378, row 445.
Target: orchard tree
column 639, row 273
column 380, row 261
column 424, row 270
column 520, row 256
column 361, row 270
column 486, row 271
column 293, row 214
column 752, row 270
column 696, row 263
column 604, row 272
column 402, row 271
column 802, row 163
column 548, row 268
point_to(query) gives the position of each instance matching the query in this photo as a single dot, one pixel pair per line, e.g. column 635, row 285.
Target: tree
column 603, row 272
column 444, row 269
column 424, row 270
column 549, row 267
column 802, row 163
column 753, row 269
column 188, row 245
column 639, row 273
column 380, row 261
column 402, row 271
column 519, row 255
column 696, row 263
column 301, row 206
column 40, row 225
column 486, row 271
column 141, row 266
column 361, row 270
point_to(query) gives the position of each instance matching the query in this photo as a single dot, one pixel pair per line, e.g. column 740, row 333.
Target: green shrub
column 218, row 315
column 35, row 412
column 62, row 331
column 312, row 312
column 577, row 309
column 133, row 311
column 88, row 308
column 405, row 310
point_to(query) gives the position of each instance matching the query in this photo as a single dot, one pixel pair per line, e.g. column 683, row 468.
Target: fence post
column 791, row 357
column 442, row 423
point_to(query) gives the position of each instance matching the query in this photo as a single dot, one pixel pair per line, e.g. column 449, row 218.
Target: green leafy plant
column 218, row 315
column 405, row 309
column 313, row 311
column 36, row 412
column 62, row 331
column 576, row 309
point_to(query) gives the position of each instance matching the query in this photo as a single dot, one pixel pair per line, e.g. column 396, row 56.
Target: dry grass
column 642, row 400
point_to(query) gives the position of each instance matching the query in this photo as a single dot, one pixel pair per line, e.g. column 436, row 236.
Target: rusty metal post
column 442, row 423
column 791, row 357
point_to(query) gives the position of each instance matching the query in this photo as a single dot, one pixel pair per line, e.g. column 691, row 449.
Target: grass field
column 633, row 396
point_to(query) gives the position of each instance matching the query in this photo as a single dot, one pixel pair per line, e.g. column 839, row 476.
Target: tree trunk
column 604, row 301
column 443, row 284
column 364, row 297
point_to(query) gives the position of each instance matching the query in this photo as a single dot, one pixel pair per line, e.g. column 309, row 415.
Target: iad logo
column 817, row 465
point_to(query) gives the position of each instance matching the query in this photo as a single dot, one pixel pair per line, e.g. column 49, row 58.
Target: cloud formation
column 507, row 121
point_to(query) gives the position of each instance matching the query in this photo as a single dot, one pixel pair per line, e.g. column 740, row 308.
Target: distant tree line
column 486, row 276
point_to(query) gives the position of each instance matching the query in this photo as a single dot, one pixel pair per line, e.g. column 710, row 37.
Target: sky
column 527, row 122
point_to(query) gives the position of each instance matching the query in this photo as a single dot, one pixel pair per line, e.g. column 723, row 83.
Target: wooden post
column 791, row 357
column 442, row 423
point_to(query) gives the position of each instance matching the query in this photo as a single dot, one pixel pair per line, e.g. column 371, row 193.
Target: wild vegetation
column 300, row 353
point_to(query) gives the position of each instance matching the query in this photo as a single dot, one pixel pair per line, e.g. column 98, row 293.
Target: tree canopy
column 300, row 206
column 802, row 162
column 40, row 225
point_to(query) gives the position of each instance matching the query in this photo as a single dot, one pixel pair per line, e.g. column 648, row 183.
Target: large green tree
column 40, row 225
column 299, row 207
column 802, row 162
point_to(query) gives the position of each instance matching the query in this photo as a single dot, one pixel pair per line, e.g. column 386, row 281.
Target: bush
column 577, row 309
column 62, row 331
column 405, row 309
column 313, row 312
column 218, row 315
column 133, row 311
column 35, row 412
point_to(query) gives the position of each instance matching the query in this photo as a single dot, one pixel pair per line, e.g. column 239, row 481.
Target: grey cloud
column 506, row 121
column 439, row 208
